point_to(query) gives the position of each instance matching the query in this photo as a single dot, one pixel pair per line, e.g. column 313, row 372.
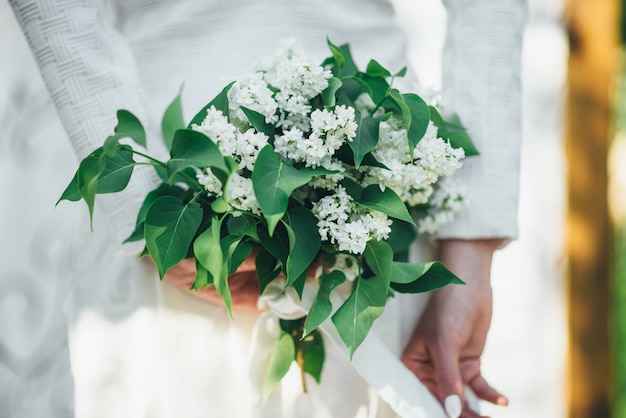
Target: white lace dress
column 141, row 348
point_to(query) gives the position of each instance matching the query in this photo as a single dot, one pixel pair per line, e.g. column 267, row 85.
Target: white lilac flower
column 437, row 155
column 342, row 222
column 247, row 147
column 251, row 91
column 211, row 183
column 449, row 199
column 240, row 194
column 216, row 126
column 378, row 223
column 300, row 76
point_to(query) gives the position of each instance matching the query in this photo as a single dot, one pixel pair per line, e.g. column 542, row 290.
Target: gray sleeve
column 90, row 73
column 481, row 82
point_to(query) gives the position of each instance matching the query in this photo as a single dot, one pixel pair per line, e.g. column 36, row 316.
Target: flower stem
column 154, row 160
column 300, row 360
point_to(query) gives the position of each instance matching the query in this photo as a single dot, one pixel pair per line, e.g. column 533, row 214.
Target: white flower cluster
column 448, row 200
column 298, row 79
column 329, row 131
column 281, row 90
column 348, row 226
column 251, row 91
column 242, row 146
column 412, row 176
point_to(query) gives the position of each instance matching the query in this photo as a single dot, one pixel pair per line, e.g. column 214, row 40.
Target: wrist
column 469, row 259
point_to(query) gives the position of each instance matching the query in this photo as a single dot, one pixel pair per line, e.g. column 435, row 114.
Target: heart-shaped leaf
column 355, row 317
column 170, row 228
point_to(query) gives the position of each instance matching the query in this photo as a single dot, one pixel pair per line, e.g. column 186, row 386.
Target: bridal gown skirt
column 142, row 348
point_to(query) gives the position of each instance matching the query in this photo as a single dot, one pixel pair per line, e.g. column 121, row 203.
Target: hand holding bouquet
column 296, row 161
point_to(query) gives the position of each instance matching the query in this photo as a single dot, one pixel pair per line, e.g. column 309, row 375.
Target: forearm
column 90, row 73
column 481, row 82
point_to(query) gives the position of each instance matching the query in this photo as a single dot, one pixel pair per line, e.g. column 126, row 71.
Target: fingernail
column 453, row 406
column 502, row 401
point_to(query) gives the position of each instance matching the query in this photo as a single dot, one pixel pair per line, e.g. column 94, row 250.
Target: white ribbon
column 393, row 382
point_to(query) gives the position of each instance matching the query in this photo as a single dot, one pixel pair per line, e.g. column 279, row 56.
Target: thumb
column 449, row 383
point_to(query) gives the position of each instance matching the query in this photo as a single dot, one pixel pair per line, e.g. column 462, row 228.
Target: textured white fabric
column 142, row 348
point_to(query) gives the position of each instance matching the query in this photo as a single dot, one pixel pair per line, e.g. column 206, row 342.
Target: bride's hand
column 444, row 351
column 243, row 284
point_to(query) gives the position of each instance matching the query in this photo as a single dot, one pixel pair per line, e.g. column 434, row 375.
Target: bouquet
column 296, row 161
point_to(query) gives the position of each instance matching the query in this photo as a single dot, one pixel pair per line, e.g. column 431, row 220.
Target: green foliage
column 170, row 227
column 274, row 181
column 209, row 251
column 450, row 128
column 193, row 149
column 304, row 241
column 356, row 316
column 313, row 354
column 366, row 138
column 420, row 278
column 280, row 362
column 385, row 201
column 257, row 120
column 379, row 257
column 322, row 307
column 172, row 120
column 182, row 219
column 220, row 102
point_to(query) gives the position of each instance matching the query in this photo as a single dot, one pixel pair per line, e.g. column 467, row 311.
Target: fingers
column 485, row 392
column 449, row 382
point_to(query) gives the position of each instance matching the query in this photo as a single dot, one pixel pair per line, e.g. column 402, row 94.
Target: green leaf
column 203, row 278
column 88, row 172
column 349, row 67
column 280, row 362
column 172, row 120
column 220, row 102
column 71, row 192
column 421, row 277
column 111, row 145
column 128, row 126
column 386, row 201
column 243, row 224
column 404, row 108
column 353, row 188
column 257, row 120
column 163, row 190
column 299, row 283
column 193, row 149
column 420, row 116
column 328, row 95
column 170, row 228
column 379, row 88
column 374, row 69
column 277, row 244
column 401, row 237
column 117, row 171
column 322, row 307
column 450, row 128
column 267, row 268
column 239, row 255
column 366, row 138
column 379, row 257
column 355, row 317
column 337, row 54
column 401, row 73
column 313, row 354
column 273, row 182
column 304, row 241
column 209, row 252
